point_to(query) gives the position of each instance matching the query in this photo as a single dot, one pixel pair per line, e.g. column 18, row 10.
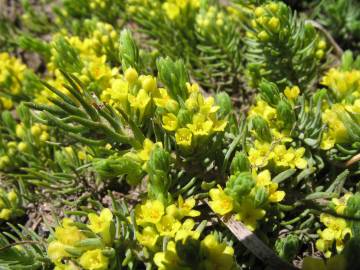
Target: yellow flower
column 337, row 129
column 221, row 203
column 200, row 126
column 217, row 255
column 292, row 93
column 183, row 137
column 139, row 102
column 102, row 224
column 263, row 179
column 169, row 122
column 148, row 237
column 206, row 106
column 184, row 208
column 168, row 226
column 56, row 251
column 264, row 110
column 340, row 204
column 327, row 142
column 260, row 154
column 186, row 231
column 6, row 102
column 149, row 212
column 117, row 94
column 148, row 146
column 94, row 260
column 249, row 215
column 342, row 83
column 291, row 157
column 171, row 10
column 192, row 88
column 336, row 230
column 167, row 259
column 148, row 83
column 68, row 234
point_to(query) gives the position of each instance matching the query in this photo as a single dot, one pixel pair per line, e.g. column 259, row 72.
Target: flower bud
column 285, row 113
column 239, row 185
column 5, row 214
column 274, row 24
column 131, row 75
column 22, row 146
column 259, row 11
column 20, row 131
column 240, row 163
column 274, row 7
column 287, row 247
column 321, row 44
column 261, row 128
column 184, row 117
column 159, row 160
column 319, row 54
column 12, row 196
column 269, row 92
column 35, row 130
column 223, row 100
column 149, row 84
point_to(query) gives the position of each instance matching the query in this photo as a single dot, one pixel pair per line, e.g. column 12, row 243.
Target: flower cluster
column 75, row 245
column 271, row 126
column 132, row 94
column 246, row 195
column 192, row 253
column 212, row 21
column 341, row 115
column 25, row 140
column 9, row 205
column 11, row 78
column 335, row 233
column 156, row 221
column 176, row 8
column 193, row 120
column 174, row 222
column 273, row 35
column 88, row 59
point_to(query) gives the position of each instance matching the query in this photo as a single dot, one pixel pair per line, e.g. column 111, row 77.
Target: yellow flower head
column 94, row 260
column 68, row 234
column 183, row 137
column 186, row 231
column 263, row 179
column 167, row 259
column 149, row 212
column 148, row 237
column 170, row 122
column 335, row 232
column 218, row 255
column 340, row 204
column 140, row 102
column 102, row 224
column 221, row 202
column 168, row 226
column 148, row 146
column 249, row 215
column 200, row 126
column 292, row 93
column 184, row 208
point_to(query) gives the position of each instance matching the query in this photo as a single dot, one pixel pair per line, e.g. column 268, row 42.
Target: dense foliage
column 179, row 134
